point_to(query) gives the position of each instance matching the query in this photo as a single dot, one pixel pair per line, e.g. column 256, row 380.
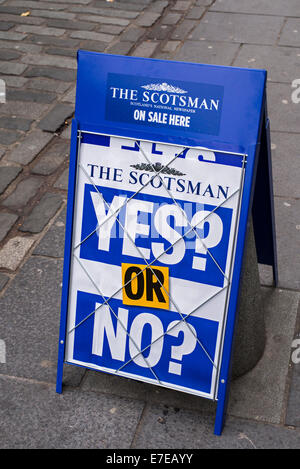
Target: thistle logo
column 164, row 87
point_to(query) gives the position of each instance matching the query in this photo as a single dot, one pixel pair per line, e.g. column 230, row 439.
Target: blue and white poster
column 153, row 244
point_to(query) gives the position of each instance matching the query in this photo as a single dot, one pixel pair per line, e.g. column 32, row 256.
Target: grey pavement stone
column 53, row 14
column 171, row 46
column 47, row 84
column 66, row 133
column 281, row 63
column 106, row 20
column 285, row 158
column 279, row 105
column 195, row 13
column 62, row 181
column 7, row 137
column 30, row 147
column 182, row 5
column 227, row 27
column 252, row 395
column 61, row 51
column 60, row 421
column 11, row 10
column 7, row 221
column 20, row 46
column 207, row 52
column 56, row 117
column 14, row 81
column 132, row 34
column 290, row 35
column 267, row 7
column 168, row 428
column 106, row 12
column 95, row 46
column 24, row 108
column 287, row 216
column 50, row 60
column 145, row 49
column 33, row 300
column 91, row 35
column 30, row 96
column 24, row 191
column 18, row 123
column 119, row 6
column 12, row 68
column 70, row 96
column 21, row 19
column 36, row 4
column 171, row 18
column 12, row 36
column 7, row 54
column 3, row 280
column 54, row 41
column 159, row 32
column 14, row 251
column 158, row 6
column 120, row 48
column 62, row 74
column 67, row 24
column 110, row 29
column 40, row 30
column 148, row 18
column 183, row 29
column 42, row 213
column 52, row 158
column 52, row 244
column 7, row 175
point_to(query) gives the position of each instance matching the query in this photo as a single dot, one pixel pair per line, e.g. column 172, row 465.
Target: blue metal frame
column 67, row 254
column 244, row 129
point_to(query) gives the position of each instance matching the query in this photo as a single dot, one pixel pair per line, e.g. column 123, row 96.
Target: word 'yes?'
column 106, row 217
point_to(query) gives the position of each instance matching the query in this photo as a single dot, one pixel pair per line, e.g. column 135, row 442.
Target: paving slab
column 34, row 416
column 287, row 216
column 283, row 113
column 14, row 251
column 228, row 27
column 51, row 158
column 30, row 147
column 31, row 308
column 56, row 117
column 281, row 63
column 168, row 428
column 7, row 221
column 25, row 190
column 290, row 35
column 53, row 243
column 42, row 213
column 285, row 162
column 293, row 414
column 259, row 394
column 7, row 175
column 215, row 53
column 267, row 7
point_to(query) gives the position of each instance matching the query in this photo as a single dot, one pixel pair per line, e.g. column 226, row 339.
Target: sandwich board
column 167, row 162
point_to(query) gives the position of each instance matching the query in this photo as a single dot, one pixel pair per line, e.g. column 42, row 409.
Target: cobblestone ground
column 38, row 45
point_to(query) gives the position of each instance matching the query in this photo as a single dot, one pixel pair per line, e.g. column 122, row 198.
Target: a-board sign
column 167, row 161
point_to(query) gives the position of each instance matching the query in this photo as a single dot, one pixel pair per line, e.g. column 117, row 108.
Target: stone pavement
column 39, row 40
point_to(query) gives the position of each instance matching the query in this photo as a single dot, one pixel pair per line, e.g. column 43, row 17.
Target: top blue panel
column 175, row 102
